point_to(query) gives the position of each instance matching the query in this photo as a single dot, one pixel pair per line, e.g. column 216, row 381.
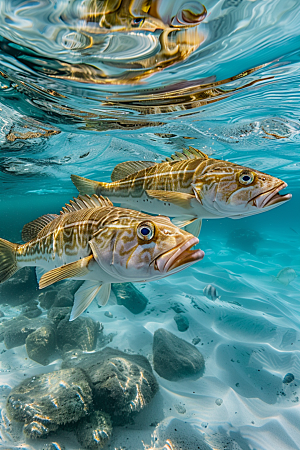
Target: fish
column 210, row 292
column 94, row 241
column 189, row 186
column 286, row 276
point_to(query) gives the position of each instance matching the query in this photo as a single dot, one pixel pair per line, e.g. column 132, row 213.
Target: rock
column 80, row 333
column 20, row 288
column 31, row 310
column 1, row 314
column 63, row 301
column 177, row 434
column 174, row 358
column 122, row 384
column 57, row 314
column 15, row 331
column 196, row 340
column 45, row 402
column 47, row 298
column 41, row 344
column 289, row 377
column 182, row 322
column 130, row 297
column 94, row 431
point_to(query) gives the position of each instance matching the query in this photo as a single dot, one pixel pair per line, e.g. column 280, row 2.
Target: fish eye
column 146, row 231
column 246, row 178
column 137, row 21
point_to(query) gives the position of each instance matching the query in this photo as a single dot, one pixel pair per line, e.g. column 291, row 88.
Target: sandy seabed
column 249, row 338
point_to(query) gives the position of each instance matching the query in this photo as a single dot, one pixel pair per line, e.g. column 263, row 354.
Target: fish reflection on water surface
column 111, row 41
column 94, row 241
column 189, row 186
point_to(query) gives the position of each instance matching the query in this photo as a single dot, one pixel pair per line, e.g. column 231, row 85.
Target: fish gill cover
column 183, row 108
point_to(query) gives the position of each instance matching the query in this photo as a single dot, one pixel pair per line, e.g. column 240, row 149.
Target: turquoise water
column 72, row 106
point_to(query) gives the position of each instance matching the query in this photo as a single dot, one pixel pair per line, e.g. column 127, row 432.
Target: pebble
column 289, row 377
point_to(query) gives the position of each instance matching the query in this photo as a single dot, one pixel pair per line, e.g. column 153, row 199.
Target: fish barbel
column 189, row 186
column 94, row 241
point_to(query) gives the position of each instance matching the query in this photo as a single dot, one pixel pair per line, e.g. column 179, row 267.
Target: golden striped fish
column 94, row 241
column 189, row 186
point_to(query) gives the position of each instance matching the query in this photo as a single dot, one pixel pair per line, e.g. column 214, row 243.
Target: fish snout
column 179, row 256
column 271, row 197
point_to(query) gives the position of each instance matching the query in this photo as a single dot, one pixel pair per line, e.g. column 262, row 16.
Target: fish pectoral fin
column 103, row 294
column 126, row 168
column 83, row 297
column 176, row 198
column 75, row 269
column 183, row 221
column 194, row 227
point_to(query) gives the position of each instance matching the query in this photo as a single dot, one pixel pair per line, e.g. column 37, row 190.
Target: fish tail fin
column 90, row 187
column 8, row 261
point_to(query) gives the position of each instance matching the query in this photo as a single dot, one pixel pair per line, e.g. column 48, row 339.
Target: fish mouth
column 179, row 256
column 271, row 197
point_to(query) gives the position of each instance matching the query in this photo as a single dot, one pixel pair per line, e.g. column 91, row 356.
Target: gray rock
column 47, row 298
column 122, row 384
column 20, row 288
column 182, row 322
column 130, row 297
column 57, row 314
column 31, row 310
column 289, row 377
column 80, row 333
column 63, row 301
column 41, row 344
column 47, row 401
column 179, row 435
column 15, row 331
column 174, row 358
column 94, row 431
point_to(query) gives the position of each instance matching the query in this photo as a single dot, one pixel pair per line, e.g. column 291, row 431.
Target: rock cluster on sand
column 174, row 358
column 15, row 331
column 122, row 384
column 43, row 336
column 47, row 401
column 92, row 392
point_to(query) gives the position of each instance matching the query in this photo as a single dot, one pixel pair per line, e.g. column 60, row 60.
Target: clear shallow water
column 233, row 92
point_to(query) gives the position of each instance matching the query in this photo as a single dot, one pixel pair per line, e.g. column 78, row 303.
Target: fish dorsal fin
column 124, row 169
column 32, row 229
column 85, row 202
column 190, row 153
